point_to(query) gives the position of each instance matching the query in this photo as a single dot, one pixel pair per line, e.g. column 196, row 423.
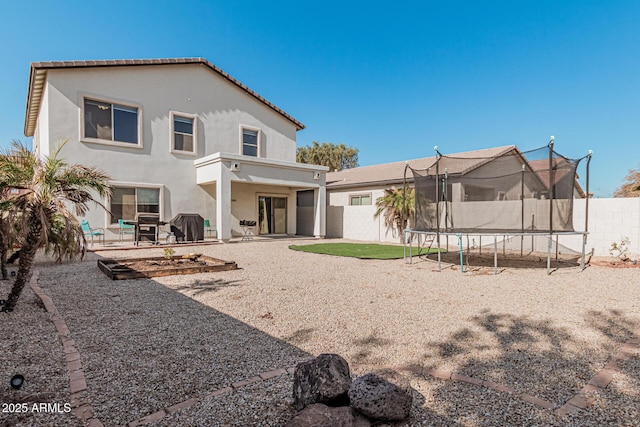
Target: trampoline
column 513, row 193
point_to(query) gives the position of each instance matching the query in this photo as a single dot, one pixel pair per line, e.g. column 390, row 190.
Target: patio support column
column 320, row 202
column 223, row 203
column 292, row 213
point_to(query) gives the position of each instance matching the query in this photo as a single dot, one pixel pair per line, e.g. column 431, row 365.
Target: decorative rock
column 319, row 415
column 325, row 379
column 382, row 395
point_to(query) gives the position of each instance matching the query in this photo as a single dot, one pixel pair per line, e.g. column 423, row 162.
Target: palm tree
column 4, row 238
column 6, row 213
column 398, row 207
column 45, row 215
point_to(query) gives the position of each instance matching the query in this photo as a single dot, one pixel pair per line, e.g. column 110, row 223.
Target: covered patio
column 262, row 191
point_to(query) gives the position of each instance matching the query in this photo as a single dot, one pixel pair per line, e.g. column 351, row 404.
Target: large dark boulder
column 319, row 415
column 325, row 379
column 382, row 395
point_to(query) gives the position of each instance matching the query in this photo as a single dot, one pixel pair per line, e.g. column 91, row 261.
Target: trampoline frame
column 409, row 233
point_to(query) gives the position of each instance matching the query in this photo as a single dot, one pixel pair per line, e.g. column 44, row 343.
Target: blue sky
column 391, row 79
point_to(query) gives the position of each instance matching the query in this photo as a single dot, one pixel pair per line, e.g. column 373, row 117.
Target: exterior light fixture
column 17, row 381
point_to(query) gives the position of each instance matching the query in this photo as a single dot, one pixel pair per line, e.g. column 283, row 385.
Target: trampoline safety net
column 512, row 192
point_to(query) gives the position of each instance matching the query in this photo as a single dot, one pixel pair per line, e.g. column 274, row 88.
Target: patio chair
column 92, row 232
column 208, row 228
column 126, row 229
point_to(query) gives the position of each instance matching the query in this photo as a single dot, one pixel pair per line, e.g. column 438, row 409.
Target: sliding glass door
column 272, row 215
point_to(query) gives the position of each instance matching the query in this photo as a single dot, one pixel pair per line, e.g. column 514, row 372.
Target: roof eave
column 37, row 79
column 331, row 186
column 40, row 68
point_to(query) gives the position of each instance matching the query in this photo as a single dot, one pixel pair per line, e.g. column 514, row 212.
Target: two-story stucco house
column 176, row 136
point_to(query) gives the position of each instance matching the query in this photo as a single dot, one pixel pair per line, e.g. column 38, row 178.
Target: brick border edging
column 581, row 400
column 602, row 379
column 77, row 380
column 454, row 376
column 158, row 415
column 159, row 246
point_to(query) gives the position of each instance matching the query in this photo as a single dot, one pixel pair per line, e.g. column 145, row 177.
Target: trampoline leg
column 495, row 255
column 460, row 247
column 549, row 243
column 410, row 249
column 439, row 266
column 584, row 246
column 404, row 246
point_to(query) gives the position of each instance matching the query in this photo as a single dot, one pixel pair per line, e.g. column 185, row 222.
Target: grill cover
column 188, row 227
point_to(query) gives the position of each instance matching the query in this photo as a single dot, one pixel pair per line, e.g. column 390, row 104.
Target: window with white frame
column 111, row 122
column 250, row 142
column 128, row 202
column 183, row 129
column 359, row 199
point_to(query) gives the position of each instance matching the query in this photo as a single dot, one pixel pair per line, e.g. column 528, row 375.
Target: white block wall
column 610, row 220
column 357, row 222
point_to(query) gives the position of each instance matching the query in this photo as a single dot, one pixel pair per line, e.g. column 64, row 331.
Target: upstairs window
column 109, row 122
column 250, row 142
column 183, row 134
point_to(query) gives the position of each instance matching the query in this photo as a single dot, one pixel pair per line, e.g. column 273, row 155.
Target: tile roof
column 393, row 173
column 37, row 77
column 541, row 168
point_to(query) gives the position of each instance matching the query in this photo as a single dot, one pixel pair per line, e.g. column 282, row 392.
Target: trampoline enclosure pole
column 551, row 196
column 437, row 201
column 586, row 207
column 586, row 215
column 522, row 212
column 404, row 206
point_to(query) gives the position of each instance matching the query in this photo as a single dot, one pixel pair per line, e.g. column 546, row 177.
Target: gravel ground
column 29, row 345
column 149, row 344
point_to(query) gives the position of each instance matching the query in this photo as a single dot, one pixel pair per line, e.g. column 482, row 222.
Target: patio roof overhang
column 259, row 171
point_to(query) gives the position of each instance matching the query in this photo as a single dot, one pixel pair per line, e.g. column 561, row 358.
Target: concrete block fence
column 609, row 220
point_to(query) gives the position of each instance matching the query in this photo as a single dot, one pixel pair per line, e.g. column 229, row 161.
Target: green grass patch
column 359, row 250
